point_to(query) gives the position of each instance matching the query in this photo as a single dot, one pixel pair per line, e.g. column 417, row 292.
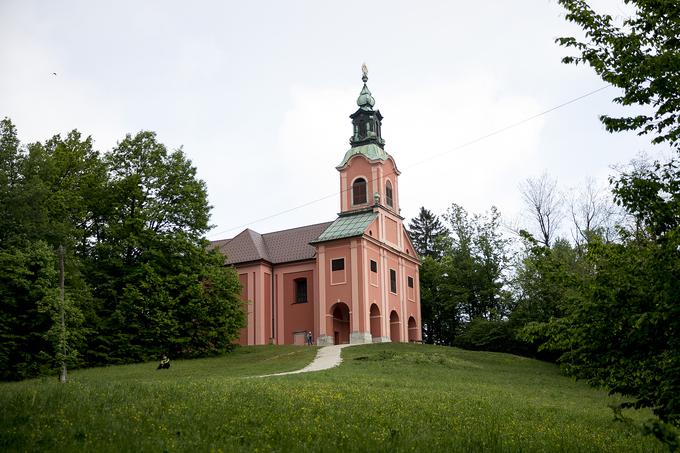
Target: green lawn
column 389, row 397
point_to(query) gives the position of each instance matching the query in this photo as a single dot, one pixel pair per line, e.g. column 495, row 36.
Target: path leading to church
column 327, row 357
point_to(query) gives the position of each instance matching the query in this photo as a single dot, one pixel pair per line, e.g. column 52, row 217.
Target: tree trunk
column 62, row 336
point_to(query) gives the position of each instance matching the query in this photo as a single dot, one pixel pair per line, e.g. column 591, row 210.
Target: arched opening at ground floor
column 395, row 327
column 375, row 321
column 412, row 329
column 341, row 323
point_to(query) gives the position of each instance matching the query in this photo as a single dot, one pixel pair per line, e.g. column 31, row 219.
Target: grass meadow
column 384, row 397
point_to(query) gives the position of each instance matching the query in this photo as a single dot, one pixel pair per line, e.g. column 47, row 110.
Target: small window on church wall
column 300, row 290
column 388, row 194
column 374, row 266
column 393, row 281
column 410, row 282
column 338, row 265
column 359, row 191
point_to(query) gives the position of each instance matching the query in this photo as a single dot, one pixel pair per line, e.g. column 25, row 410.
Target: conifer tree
column 426, row 231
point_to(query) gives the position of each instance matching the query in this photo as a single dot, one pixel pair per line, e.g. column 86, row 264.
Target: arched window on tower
column 359, row 191
column 388, row 194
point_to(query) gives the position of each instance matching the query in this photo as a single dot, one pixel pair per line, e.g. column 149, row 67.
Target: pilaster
column 251, row 307
column 354, row 265
column 321, row 313
column 280, row 331
column 365, row 282
column 383, row 293
column 402, row 301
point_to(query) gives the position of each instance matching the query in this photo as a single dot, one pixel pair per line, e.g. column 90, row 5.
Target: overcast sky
column 258, row 94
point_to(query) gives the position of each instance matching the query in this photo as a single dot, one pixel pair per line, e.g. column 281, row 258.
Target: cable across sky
column 422, row 161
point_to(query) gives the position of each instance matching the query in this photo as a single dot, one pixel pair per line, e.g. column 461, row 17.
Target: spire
column 366, row 121
column 365, row 100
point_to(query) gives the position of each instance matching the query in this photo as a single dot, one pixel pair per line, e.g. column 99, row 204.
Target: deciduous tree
column 639, row 54
column 139, row 279
column 544, row 206
column 158, row 291
column 625, row 334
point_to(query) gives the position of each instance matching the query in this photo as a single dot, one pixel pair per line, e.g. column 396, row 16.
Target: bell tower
column 366, row 121
column 366, row 263
column 368, row 175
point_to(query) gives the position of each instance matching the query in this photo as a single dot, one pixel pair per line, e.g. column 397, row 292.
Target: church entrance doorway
column 395, row 330
column 412, row 329
column 375, row 322
column 341, row 324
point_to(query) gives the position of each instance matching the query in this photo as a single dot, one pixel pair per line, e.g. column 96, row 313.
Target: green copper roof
column 347, row 226
column 370, row 151
column 365, row 99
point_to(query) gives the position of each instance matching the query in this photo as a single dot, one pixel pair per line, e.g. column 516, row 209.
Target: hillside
column 387, row 397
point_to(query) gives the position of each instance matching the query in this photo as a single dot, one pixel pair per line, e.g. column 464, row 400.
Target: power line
column 422, row 161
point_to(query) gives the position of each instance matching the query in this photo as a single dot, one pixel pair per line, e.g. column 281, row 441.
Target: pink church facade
column 353, row 280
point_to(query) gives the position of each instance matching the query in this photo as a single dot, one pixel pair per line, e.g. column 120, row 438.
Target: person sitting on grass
column 165, row 363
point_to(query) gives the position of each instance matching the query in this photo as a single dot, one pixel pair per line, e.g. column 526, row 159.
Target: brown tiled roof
column 277, row 247
column 217, row 244
column 293, row 244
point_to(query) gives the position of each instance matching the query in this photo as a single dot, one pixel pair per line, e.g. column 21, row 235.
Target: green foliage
column 28, row 280
column 9, row 179
column 158, row 291
column 475, row 263
column 651, row 194
column 548, row 282
column 139, row 282
column 490, row 335
column 440, row 310
column 624, row 335
column 641, row 56
column 464, row 277
column 62, row 184
column 613, row 315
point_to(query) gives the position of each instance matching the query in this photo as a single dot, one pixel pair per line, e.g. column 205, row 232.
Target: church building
column 353, row 280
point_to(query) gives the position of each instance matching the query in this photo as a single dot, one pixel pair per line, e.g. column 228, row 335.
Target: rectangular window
column 301, row 291
column 338, row 264
column 410, row 282
column 374, row 266
column 393, row 280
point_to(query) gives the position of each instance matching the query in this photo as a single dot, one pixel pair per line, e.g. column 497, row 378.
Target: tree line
column 482, row 277
column 138, row 279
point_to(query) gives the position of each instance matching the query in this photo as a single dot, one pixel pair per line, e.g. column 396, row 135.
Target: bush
column 485, row 335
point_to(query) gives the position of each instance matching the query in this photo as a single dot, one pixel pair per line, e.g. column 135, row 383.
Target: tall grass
column 390, row 397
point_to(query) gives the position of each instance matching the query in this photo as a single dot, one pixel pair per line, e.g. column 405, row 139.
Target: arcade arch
column 375, row 322
column 340, row 323
column 395, row 330
column 412, row 329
